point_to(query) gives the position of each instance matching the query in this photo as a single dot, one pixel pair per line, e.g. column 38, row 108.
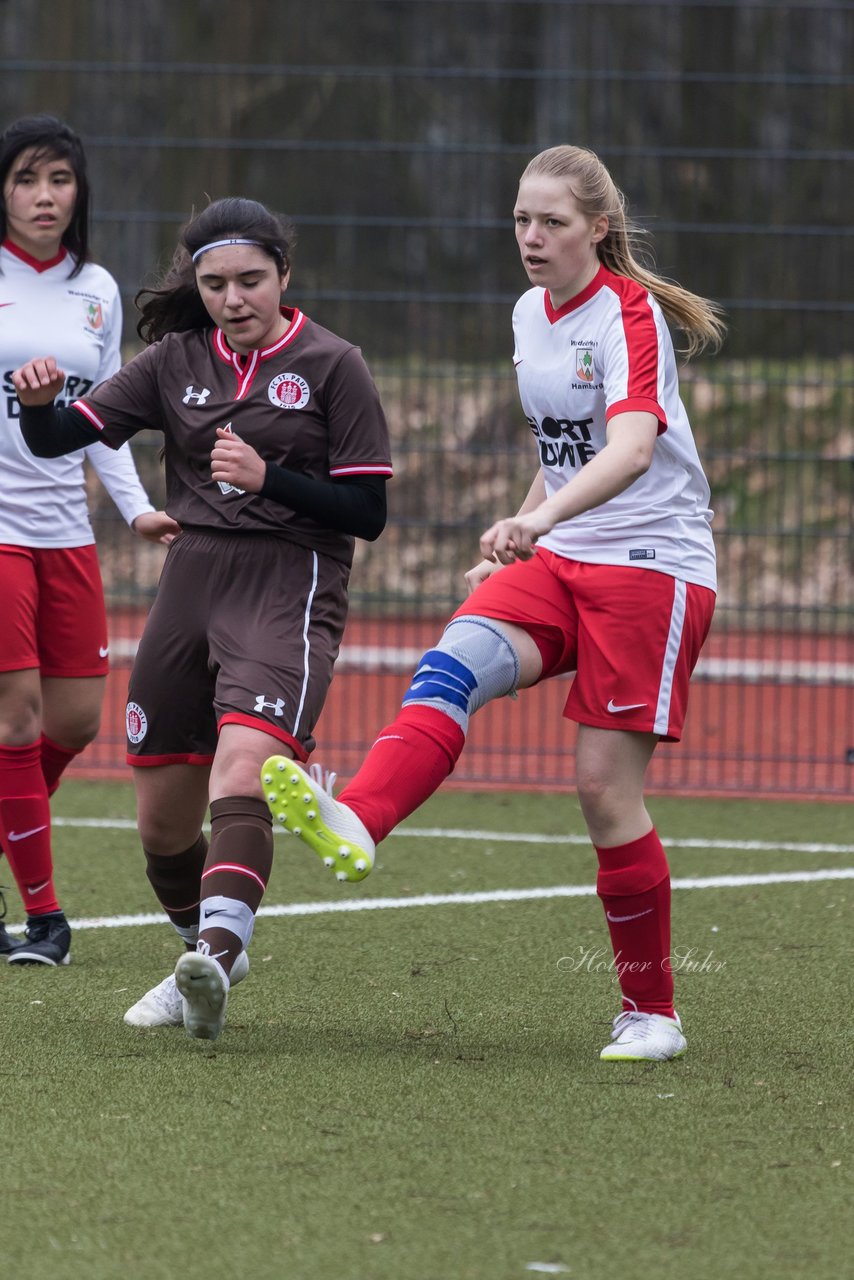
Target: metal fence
column 393, row 133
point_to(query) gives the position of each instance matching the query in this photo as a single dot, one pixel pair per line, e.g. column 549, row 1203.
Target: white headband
column 219, row 244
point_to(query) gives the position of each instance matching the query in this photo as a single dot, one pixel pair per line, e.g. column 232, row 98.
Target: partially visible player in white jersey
column 607, row 571
column 53, row 629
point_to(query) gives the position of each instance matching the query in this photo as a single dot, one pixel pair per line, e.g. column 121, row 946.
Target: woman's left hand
column 156, row 526
column 235, row 462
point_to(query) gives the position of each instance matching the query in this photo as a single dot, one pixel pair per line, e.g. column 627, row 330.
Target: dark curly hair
column 175, row 305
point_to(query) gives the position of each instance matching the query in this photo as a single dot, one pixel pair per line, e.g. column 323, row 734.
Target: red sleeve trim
column 638, row 404
column 253, row 722
column 362, row 469
column 82, row 407
column 641, row 337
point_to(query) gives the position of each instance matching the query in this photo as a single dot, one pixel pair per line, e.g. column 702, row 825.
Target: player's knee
column 606, row 800
column 163, row 834
column 473, row 663
column 20, row 716
column 77, row 736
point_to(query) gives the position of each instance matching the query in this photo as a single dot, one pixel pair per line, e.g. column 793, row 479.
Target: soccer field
column 408, row 1086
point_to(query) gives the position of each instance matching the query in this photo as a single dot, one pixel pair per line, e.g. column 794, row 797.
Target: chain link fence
column 393, row 133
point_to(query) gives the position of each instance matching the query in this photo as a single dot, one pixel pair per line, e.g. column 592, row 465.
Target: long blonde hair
column 700, row 319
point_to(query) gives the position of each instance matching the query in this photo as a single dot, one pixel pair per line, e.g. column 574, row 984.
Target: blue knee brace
column 473, row 663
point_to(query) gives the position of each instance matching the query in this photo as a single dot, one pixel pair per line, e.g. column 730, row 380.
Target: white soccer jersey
column 608, row 351
column 44, row 310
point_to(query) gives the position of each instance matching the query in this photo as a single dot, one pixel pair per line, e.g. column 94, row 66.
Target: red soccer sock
column 409, row 760
column 55, row 760
column 634, row 885
column 25, row 826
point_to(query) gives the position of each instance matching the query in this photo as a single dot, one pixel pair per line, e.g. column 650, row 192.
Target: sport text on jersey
column 563, row 442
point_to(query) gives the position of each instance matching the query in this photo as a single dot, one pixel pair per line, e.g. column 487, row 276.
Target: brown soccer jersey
column 307, row 403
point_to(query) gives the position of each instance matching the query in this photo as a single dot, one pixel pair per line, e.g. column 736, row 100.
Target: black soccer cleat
column 8, row 942
column 47, row 941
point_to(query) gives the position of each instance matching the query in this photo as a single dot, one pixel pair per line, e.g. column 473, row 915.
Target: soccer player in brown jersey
column 276, row 456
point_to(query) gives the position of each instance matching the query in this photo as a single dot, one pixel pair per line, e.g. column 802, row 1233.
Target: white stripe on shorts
column 306, row 622
column 671, row 656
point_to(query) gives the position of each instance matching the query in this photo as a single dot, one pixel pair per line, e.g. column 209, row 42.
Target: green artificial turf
column 415, row 1094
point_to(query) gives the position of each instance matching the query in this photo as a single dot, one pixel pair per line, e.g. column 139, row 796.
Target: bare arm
column 626, row 457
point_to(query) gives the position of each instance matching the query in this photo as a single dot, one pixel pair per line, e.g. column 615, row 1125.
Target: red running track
column 768, row 717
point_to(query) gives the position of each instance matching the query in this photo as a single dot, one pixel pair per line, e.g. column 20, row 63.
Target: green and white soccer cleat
column 645, row 1037
column 303, row 807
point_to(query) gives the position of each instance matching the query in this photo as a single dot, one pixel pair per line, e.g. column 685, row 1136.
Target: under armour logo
column 277, row 707
column 199, row 396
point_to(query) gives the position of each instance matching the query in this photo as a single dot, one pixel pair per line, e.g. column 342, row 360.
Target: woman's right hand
column 39, row 381
column 480, row 573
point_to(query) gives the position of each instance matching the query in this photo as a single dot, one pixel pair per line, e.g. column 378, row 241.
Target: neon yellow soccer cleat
column 328, row 827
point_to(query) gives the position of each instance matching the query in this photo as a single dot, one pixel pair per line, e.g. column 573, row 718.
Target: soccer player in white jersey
column 607, row 570
column 53, row 628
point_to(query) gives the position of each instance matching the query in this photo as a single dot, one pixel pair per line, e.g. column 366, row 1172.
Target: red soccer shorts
column 53, row 614
column 633, row 636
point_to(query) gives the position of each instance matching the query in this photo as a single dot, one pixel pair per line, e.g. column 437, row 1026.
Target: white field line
column 491, row 895
column 500, row 895
column 521, row 837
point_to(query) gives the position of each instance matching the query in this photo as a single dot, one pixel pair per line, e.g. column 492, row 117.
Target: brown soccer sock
column 235, row 876
column 176, row 880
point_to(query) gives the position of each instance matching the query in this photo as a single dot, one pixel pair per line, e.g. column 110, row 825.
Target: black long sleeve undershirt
column 50, row 431
column 355, row 505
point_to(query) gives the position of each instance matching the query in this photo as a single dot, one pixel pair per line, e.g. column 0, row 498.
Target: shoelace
column 324, row 778
column 627, row 1018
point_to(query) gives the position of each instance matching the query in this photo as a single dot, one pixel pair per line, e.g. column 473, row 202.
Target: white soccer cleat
column 203, row 984
column 300, row 803
column 644, row 1037
column 163, row 1005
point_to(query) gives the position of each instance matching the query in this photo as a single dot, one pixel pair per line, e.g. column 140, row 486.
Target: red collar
column 238, row 359
column 17, row 252
column 580, row 298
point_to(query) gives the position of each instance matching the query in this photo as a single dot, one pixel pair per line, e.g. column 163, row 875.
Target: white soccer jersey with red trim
column 608, row 351
column 44, row 310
